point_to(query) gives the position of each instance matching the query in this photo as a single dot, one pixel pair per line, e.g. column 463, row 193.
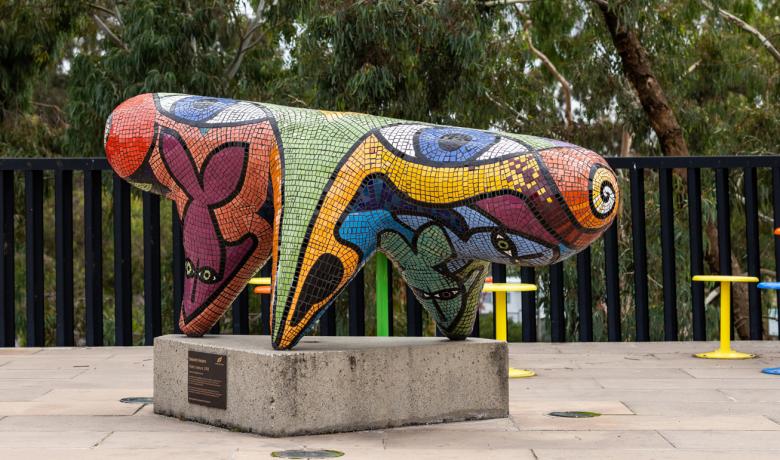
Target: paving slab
column 419, row 440
column 649, row 454
column 543, row 407
column 647, row 422
column 754, row 383
column 51, row 408
column 33, row 439
column 730, row 440
column 679, row 408
column 612, row 394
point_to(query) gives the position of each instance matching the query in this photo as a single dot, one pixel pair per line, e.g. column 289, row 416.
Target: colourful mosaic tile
column 319, row 192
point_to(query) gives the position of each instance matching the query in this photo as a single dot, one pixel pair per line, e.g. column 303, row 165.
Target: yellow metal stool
column 725, row 351
column 500, row 290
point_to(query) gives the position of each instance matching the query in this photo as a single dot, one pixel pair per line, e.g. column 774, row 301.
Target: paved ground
column 656, row 400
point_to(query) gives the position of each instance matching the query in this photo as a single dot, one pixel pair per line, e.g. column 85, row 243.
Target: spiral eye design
column 603, row 194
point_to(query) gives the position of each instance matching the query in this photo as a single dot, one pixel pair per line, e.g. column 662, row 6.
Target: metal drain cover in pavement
column 306, row 454
column 574, row 414
column 137, row 400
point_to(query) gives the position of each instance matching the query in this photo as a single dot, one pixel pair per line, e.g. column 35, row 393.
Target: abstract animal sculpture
column 319, row 192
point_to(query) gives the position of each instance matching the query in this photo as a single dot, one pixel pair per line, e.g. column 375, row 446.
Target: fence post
column 697, row 253
column 152, row 291
column 63, row 220
column 33, row 189
column 666, row 200
column 639, row 237
column 93, row 256
column 123, row 286
column 7, row 268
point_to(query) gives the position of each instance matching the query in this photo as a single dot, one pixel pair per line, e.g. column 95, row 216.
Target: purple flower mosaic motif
column 210, row 261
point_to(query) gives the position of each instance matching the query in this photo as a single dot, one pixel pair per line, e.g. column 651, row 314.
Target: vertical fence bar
column 585, row 296
column 753, row 257
column 776, row 213
column 265, row 304
column 612, row 282
column 668, row 265
column 63, row 236
column 528, row 275
column 697, row 253
column 93, row 256
column 637, row 178
column 152, row 272
column 357, row 305
column 328, row 321
column 498, row 272
column 724, row 219
column 178, row 266
column 724, row 228
column 33, row 189
column 414, row 326
column 241, row 312
column 123, row 295
column 557, row 317
column 7, row 266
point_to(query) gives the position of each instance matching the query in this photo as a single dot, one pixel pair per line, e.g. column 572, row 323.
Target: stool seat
column 722, row 278
column 508, row 287
column 769, row 285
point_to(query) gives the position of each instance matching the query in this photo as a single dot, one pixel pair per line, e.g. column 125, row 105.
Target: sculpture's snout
column 129, row 134
column 588, row 188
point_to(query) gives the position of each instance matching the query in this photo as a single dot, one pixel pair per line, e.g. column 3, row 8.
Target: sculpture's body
column 320, row 192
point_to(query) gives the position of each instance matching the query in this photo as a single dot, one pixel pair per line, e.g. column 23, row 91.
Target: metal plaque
column 207, row 379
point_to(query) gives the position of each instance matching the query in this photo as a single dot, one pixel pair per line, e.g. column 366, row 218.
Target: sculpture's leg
column 309, row 272
column 448, row 288
column 323, row 270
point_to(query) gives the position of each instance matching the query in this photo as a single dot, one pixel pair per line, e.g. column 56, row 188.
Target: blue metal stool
column 774, row 286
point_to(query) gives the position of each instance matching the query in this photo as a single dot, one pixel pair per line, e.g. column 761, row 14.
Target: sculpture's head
column 563, row 199
column 217, row 174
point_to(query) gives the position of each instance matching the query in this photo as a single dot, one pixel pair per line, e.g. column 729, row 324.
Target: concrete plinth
column 331, row 384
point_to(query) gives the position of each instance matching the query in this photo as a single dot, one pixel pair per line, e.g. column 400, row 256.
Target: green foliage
column 169, row 46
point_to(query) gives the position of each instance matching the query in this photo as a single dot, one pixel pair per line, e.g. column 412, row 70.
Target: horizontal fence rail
column 24, row 184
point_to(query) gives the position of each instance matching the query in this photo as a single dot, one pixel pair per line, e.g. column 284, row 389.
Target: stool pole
column 725, row 316
column 501, row 316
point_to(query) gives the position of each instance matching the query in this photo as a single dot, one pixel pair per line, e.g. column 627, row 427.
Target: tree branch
column 519, row 118
column 102, row 8
column 246, row 42
column 746, row 27
column 489, row 3
column 111, row 36
column 565, row 85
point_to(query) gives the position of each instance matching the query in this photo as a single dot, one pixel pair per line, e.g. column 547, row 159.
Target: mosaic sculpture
column 319, row 192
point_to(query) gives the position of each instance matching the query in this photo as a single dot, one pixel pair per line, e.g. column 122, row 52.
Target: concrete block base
column 330, row 384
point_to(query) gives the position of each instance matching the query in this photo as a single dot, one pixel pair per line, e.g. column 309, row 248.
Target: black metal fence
column 96, row 173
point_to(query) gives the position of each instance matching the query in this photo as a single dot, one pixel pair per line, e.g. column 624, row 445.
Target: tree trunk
column 638, row 70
